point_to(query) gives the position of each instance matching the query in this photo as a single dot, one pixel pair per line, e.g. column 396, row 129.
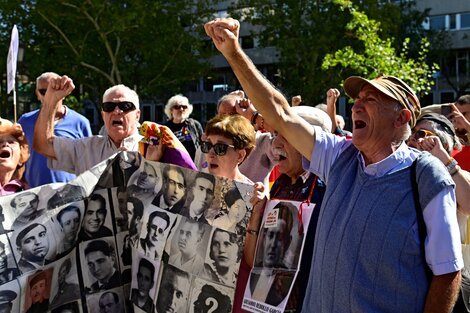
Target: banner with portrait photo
column 278, row 254
column 129, row 235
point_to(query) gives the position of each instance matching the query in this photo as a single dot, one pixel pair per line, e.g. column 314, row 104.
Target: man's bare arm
column 443, row 293
column 43, row 139
column 267, row 99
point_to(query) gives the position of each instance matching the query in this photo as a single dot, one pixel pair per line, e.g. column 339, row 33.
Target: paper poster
column 278, row 253
column 129, row 235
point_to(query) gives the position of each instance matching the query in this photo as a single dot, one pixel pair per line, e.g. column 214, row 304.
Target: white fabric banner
column 11, row 61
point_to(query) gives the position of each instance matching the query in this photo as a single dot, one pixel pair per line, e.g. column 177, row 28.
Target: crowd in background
column 296, row 152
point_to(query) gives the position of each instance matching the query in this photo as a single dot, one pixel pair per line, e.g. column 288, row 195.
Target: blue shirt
column 72, row 125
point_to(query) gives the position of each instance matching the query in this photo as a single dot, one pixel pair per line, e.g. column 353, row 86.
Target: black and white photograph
column 172, row 195
column 67, row 226
column 65, row 195
column 65, row 286
column 135, row 211
column 27, row 206
column 99, row 265
column 155, row 233
column 109, row 301
column 174, row 290
column 187, row 246
column 233, row 214
column 208, row 297
column 97, row 218
column 199, row 197
column 33, row 246
column 119, row 197
column 10, row 297
column 223, row 260
column 8, row 268
column 146, row 182
column 278, row 252
column 144, row 282
column 124, row 252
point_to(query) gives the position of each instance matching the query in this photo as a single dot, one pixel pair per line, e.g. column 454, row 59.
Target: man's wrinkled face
column 175, row 187
column 34, row 245
column 290, row 160
column 119, row 124
column 94, row 218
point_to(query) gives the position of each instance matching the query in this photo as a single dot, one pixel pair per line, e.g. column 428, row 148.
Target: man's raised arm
column 269, row 101
column 58, row 88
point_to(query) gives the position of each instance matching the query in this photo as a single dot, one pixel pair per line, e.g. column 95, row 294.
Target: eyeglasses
column 42, row 91
column 178, row 106
column 421, row 133
column 124, row 106
column 219, row 148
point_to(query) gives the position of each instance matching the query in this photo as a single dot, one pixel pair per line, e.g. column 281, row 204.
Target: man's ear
column 403, row 118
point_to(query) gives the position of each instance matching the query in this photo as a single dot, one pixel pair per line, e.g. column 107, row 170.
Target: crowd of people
column 391, row 197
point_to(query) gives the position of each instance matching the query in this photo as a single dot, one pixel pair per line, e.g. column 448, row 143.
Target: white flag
column 11, row 61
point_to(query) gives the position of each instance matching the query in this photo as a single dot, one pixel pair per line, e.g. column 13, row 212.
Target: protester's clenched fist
column 59, row 88
column 224, row 33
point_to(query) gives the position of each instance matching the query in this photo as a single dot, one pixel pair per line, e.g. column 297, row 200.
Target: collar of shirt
column 402, row 157
column 11, row 187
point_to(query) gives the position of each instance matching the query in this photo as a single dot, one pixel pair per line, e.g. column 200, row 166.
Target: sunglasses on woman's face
column 219, row 148
column 421, row 133
column 177, row 107
column 124, row 106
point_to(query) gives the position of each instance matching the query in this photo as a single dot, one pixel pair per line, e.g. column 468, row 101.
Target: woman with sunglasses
column 187, row 130
column 228, row 140
column 436, row 134
column 14, row 152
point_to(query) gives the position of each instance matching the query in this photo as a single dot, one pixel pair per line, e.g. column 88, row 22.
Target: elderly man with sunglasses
column 120, row 113
column 370, row 253
column 67, row 123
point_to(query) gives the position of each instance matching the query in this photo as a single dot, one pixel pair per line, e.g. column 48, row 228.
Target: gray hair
column 175, row 100
column 131, row 94
column 45, row 76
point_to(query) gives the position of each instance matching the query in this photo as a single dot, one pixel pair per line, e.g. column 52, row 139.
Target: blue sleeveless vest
column 367, row 255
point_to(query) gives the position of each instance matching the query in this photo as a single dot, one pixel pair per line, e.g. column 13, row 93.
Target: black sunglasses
column 178, row 106
column 124, row 106
column 219, row 148
column 42, row 91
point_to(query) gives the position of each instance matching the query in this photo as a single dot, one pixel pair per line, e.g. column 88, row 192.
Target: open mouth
column 117, row 123
column 213, row 166
column 5, row 154
column 359, row 124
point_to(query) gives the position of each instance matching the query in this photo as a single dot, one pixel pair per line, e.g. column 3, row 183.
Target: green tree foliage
column 378, row 56
column 304, row 32
column 153, row 46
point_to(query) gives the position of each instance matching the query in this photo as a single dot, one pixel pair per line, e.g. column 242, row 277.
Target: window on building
column 146, row 113
column 463, row 63
column 437, row 22
column 465, row 20
column 452, row 21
